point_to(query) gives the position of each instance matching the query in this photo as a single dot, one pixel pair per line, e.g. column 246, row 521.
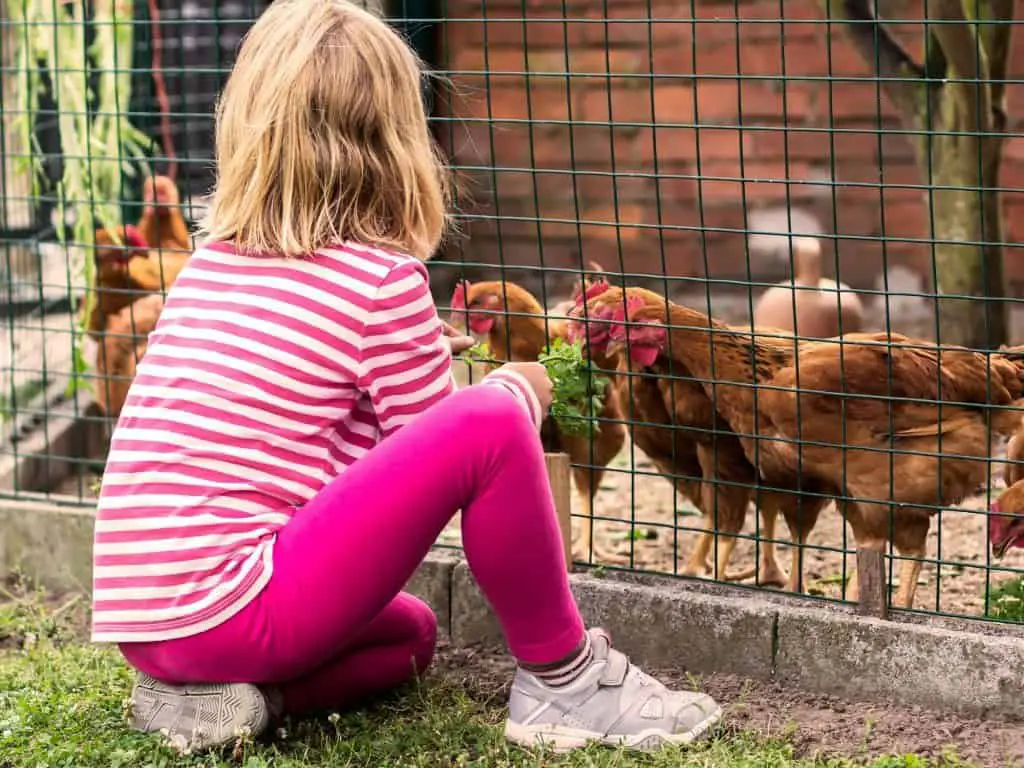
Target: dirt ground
column 817, row 725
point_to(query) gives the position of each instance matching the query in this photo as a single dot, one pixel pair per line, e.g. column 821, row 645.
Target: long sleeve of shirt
column 406, row 362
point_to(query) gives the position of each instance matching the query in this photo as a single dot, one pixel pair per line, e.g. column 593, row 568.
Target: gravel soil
column 818, row 726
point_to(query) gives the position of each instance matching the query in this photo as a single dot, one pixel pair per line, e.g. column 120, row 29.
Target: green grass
column 1007, row 600
column 62, row 704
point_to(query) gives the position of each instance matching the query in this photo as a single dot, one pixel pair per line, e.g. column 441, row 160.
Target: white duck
column 820, row 307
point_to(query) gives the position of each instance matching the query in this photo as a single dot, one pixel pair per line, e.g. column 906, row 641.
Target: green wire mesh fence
column 704, row 150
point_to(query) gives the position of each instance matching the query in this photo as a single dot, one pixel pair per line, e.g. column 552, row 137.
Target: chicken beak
column 615, row 347
column 999, row 548
column 458, row 318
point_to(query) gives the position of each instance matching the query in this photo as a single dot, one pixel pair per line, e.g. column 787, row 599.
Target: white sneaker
column 197, row 717
column 612, row 702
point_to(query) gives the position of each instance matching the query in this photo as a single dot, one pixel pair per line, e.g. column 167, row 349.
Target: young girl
column 291, row 446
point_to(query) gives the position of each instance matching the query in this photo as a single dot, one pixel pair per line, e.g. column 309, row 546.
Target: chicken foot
column 910, row 571
column 768, row 572
column 725, row 498
column 909, row 540
column 699, row 561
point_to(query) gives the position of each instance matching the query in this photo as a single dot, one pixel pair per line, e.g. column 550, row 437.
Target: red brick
column 616, row 222
column 592, row 188
column 636, row 28
column 679, row 193
column 507, row 97
column 727, row 101
column 804, row 52
column 662, row 148
column 537, row 29
column 774, row 143
column 629, row 103
column 1013, row 150
column 551, row 146
column 773, row 9
column 602, row 60
column 860, row 102
column 490, row 60
column 593, row 147
column 479, row 144
column 672, row 59
column 722, row 144
column 905, row 214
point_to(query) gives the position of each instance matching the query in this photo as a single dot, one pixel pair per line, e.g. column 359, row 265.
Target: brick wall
column 692, row 152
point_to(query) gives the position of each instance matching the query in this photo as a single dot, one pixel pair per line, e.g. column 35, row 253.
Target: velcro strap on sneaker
column 615, row 670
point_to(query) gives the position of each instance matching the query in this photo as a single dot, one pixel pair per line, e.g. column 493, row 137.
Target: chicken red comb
column 133, row 237
column 460, row 297
column 634, row 303
column 595, row 289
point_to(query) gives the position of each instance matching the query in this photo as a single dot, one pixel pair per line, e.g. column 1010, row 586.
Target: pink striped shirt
column 264, row 379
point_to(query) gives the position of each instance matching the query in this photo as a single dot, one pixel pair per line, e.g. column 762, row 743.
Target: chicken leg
column 767, row 572
column 699, row 562
column 586, row 537
column 909, row 539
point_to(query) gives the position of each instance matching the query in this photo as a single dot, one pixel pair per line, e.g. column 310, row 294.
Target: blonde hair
column 322, row 137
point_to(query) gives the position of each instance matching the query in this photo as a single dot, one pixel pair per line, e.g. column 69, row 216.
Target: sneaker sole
column 560, row 738
column 230, row 710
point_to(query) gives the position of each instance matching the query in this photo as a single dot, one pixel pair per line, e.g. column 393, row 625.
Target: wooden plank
column 561, row 488
column 872, row 584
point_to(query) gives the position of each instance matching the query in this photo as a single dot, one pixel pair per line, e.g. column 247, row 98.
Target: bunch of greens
column 578, row 392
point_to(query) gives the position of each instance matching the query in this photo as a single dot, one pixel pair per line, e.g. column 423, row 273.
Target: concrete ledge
column 700, row 632
column 432, row 583
column 912, row 664
column 51, row 545
column 664, row 626
column 971, row 668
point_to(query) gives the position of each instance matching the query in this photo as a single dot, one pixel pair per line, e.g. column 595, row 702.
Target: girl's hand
column 457, row 341
column 537, row 377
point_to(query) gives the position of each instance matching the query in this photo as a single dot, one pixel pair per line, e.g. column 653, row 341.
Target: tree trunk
column 969, row 215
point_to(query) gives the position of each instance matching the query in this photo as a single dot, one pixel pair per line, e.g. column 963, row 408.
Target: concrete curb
column 956, row 666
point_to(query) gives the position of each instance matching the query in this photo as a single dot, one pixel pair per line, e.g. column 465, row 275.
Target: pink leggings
column 333, row 627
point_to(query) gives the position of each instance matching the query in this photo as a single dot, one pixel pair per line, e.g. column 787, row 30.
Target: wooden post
column 561, row 488
column 872, row 584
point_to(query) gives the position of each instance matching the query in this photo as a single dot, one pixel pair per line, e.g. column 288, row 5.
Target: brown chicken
column 520, row 336
column 871, row 423
column 672, row 451
column 1006, row 521
column 124, row 343
column 116, row 287
column 162, row 223
column 1013, row 469
column 665, row 392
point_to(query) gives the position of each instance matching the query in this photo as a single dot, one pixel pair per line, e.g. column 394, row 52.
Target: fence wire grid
column 809, row 168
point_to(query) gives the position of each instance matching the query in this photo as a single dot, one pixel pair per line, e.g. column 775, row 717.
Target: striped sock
column 568, row 670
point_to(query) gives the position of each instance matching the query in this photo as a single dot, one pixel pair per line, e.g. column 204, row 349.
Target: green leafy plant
column 578, row 392
column 478, row 353
column 1006, row 600
column 99, row 145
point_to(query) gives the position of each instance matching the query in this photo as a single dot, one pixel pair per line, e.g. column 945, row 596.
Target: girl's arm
column 405, row 364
